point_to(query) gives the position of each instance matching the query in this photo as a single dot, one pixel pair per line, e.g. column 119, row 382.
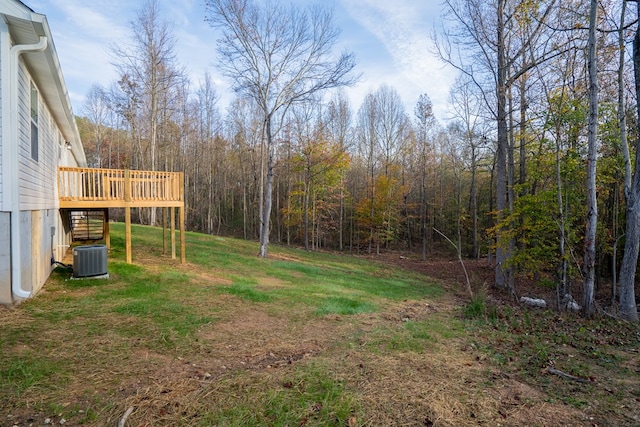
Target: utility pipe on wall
column 14, row 143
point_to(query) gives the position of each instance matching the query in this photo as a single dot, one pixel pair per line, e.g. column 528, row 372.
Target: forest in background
column 505, row 176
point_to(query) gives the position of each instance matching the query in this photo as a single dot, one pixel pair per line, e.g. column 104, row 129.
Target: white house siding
column 45, row 234
column 37, row 179
column 1, row 159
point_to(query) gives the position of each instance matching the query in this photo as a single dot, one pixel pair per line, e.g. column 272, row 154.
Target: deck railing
column 114, row 186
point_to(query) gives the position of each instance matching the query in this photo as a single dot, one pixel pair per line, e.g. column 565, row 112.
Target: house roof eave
column 26, row 27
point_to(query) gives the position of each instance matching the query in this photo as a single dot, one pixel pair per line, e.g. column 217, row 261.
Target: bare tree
column 148, row 65
column 278, row 57
column 425, row 122
column 368, row 150
column 391, row 124
column 211, row 154
column 304, row 125
column 592, row 203
column 96, row 108
column 244, row 128
column 501, row 40
column 628, row 308
column 466, row 106
column 338, row 122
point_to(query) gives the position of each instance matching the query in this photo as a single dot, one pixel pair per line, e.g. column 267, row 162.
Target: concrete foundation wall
column 44, row 229
column 25, row 250
column 5, row 258
column 43, row 235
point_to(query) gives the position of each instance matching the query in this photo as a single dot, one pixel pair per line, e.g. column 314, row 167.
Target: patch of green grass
column 285, row 269
column 420, row 331
column 344, row 306
column 246, row 290
column 310, row 395
column 120, row 269
column 576, row 402
column 333, row 280
column 476, row 308
column 414, row 336
column 385, row 339
column 434, row 329
column 394, row 285
column 142, row 287
column 163, row 317
column 400, row 342
column 479, row 309
column 22, row 372
column 314, row 394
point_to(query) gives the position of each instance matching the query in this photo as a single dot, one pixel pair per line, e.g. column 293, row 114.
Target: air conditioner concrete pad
column 101, row 276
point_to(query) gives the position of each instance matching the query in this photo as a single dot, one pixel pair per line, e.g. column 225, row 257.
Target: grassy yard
column 299, row 339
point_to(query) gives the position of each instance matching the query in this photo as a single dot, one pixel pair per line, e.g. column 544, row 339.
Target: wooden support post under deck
column 107, row 235
column 164, row 231
column 127, row 217
column 183, row 239
column 172, row 220
column 127, row 234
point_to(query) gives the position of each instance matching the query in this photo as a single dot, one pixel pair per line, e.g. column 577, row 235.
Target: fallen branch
column 123, row 420
column 459, row 259
column 559, row 373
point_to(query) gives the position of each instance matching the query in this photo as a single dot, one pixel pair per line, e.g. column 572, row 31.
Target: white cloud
column 96, row 20
column 83, row 34
column 402, row 27
column 390, row 39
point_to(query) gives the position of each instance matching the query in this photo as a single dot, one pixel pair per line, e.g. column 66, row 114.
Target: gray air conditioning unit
column 89, row 261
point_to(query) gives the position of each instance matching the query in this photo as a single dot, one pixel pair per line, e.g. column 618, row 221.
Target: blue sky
column 390, row 39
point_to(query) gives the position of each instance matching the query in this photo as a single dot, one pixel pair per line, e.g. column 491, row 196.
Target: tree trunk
column 341, row 216
column 474, row 204
column 511, row 167
column 592, row 203
column 523, row 138
column 628, row 308
column 423, row 210
column 562, row 269
column 268, row 193
column 305, row 211
column 501, row 151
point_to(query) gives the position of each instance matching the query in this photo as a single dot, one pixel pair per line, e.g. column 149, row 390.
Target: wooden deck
column 118, row 188
column 94, row 188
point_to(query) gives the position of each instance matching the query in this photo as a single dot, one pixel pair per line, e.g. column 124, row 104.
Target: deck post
column 183, row 240
column 127, row 234
column 107, row 234
column 127, row 216
column 164, row 230
column 172, row 221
